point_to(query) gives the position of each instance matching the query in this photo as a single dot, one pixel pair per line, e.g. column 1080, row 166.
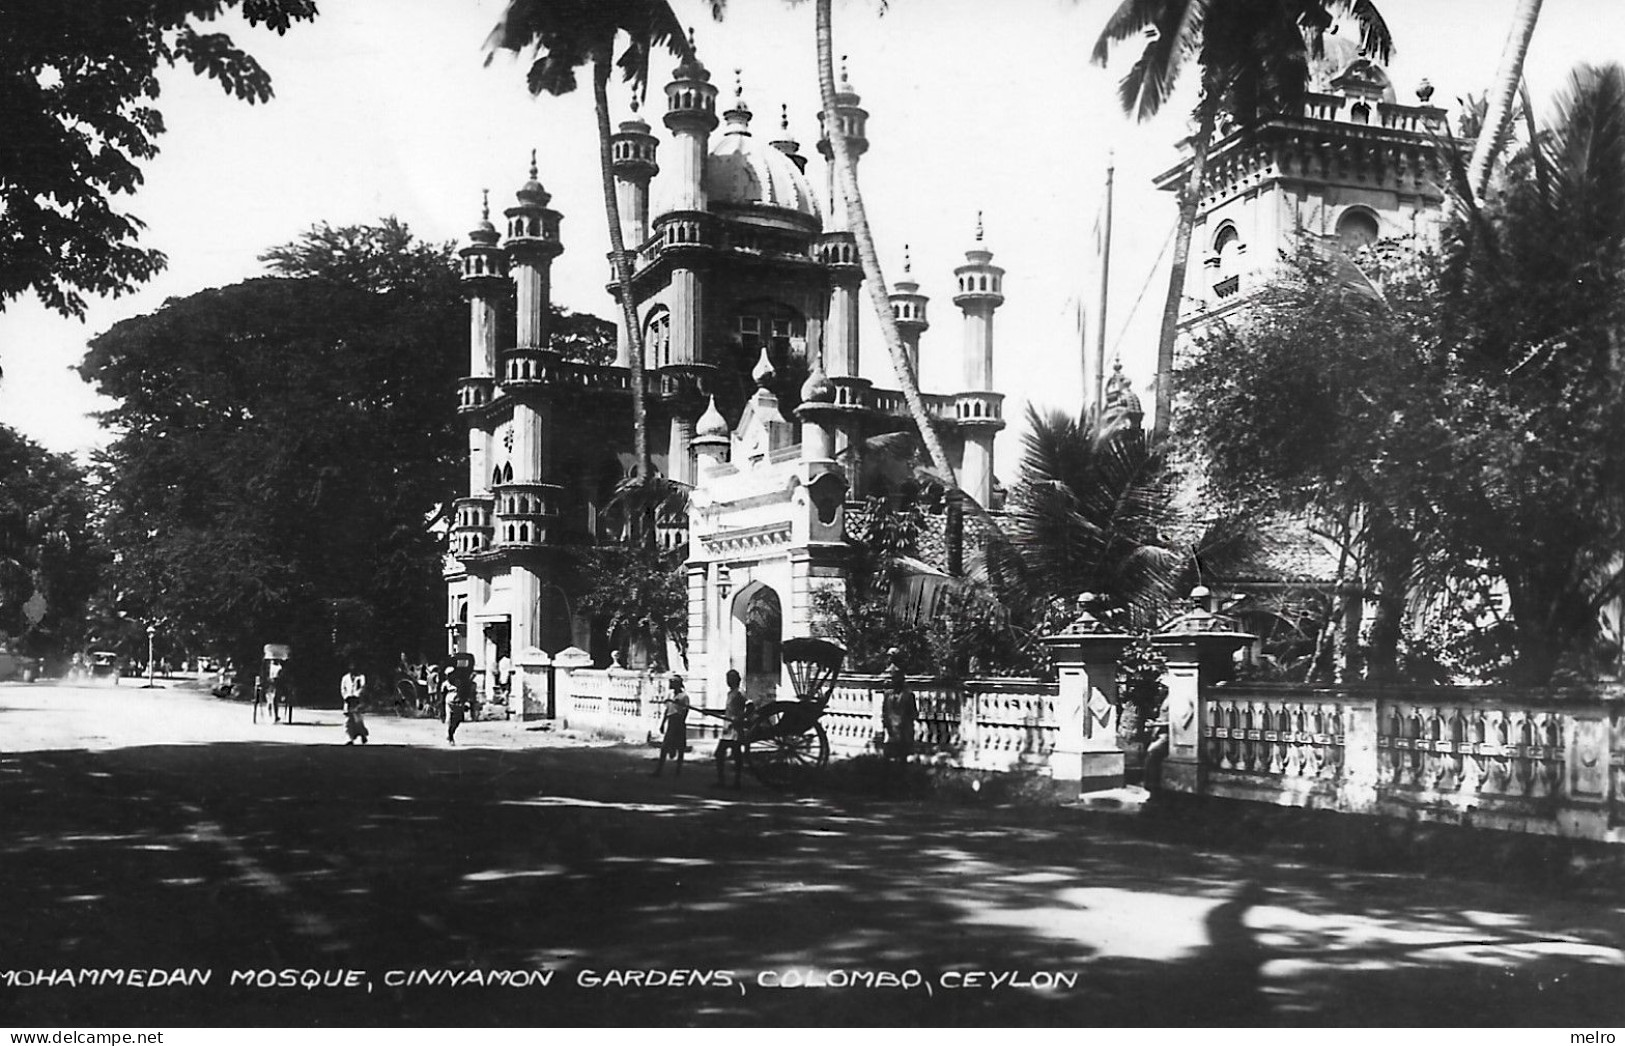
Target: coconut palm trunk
column 622, row 263
column 1498, row 113
column 847, row 176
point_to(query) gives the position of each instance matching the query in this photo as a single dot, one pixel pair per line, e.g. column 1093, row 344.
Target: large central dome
column 743, row 172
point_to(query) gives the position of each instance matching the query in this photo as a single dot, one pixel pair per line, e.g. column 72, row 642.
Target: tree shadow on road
column 256, row 857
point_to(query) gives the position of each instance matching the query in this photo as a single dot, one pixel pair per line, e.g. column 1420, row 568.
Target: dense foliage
column 78, row 85
column 285, row 444
column 1457, row 414
column 50, row 556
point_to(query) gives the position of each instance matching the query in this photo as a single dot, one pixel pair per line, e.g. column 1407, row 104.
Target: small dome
column 763, row 373
column 817, row 388
column 532, row 192
column 484, row 233
column 711, row 424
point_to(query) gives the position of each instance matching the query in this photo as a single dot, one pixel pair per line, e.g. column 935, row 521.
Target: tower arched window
column 1227, row 250
column 507, row 473
column 1357, row 228
column 657, row 338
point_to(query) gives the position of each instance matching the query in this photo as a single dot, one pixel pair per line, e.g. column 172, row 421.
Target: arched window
column 1357, row 228
column 1227, row 246
column 657, row 338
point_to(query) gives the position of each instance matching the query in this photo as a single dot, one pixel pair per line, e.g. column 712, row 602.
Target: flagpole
column 1105, row 285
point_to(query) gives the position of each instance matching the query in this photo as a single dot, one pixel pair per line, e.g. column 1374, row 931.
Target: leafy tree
column 1253, row 57
column 50, row 556
column 387, row 257
column 565, row 35
column 78, row 83
column 1319, row 404
column 285, row 444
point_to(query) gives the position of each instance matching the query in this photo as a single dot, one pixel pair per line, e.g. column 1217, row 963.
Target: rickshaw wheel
column 779, row 748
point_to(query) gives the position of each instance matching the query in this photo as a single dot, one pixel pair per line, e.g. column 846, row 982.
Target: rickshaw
column 272, row 687
column 784, row 739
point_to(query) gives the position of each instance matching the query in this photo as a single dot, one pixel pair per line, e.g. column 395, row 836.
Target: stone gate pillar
column 1086, row 654
column 1196, row 646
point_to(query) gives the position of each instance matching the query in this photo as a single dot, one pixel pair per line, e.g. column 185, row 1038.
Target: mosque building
column 746, row 283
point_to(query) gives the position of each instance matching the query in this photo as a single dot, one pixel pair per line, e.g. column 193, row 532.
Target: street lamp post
column 152, row 631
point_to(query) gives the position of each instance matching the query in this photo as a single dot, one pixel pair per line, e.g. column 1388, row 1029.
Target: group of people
column 455, row 685
column 738, row 713
column 899, row 712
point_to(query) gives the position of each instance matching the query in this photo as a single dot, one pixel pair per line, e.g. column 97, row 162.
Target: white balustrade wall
column 1548, row 764
column 985, row 724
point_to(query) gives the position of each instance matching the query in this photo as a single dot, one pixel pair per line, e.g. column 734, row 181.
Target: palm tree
column 1092, row 510
column 846, row 173
column 567, row 34
column 1498, row 113
column 1254, row 59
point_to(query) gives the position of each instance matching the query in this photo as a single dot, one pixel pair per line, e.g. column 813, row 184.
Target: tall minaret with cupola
column 632, row 157
column 484, row 282
column 632, row 152
column 525, row 503
column 908, row 309
column 691, row 116
column 978, row 409
column 533, row 243
column 838, row 250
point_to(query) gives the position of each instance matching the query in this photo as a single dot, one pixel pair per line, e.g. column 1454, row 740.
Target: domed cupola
column 757, row 182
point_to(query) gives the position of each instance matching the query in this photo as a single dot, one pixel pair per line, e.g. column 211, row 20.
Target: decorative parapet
column 474, row 394
column 524, row 512
column 980, row 409
column 892, row 402
column 471, row 528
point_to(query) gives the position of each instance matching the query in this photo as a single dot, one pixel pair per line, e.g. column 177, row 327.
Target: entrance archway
column 759, row 632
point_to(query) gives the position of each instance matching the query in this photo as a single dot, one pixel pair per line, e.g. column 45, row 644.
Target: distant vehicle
column 104, row 665
column 17, row 666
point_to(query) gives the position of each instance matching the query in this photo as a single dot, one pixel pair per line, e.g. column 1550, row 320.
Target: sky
column 387, row 107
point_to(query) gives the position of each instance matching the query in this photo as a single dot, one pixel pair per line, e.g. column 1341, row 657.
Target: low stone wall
column 985, row 724
column 1546, row 764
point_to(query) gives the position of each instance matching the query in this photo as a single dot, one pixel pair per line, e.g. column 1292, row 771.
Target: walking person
column 459, row 691
column 732, row 744
column 353, row 689
column 674, row 728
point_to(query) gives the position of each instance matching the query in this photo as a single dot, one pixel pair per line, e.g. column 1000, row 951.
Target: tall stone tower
column 1353, row 166
column 978, row 409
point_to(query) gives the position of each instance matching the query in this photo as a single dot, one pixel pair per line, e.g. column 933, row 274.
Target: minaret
column 533, row 243
column 632, row 157
column 853, row 121
column 978, row 409
column 691, row 116
column 484, row 283
column 484, row 278
column 908, row 309
column 632, row 152
column 838, row 250
column 526, row 505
